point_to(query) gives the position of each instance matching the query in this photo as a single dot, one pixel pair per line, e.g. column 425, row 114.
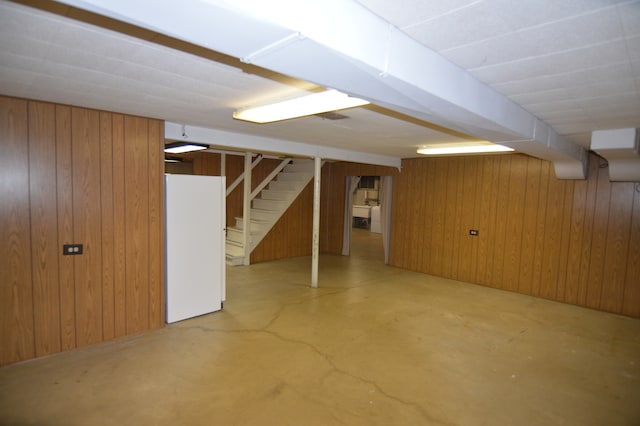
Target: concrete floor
column 373, row 346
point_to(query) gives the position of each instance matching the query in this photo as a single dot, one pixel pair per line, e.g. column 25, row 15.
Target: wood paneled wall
column 572, row 241
column 74, row 175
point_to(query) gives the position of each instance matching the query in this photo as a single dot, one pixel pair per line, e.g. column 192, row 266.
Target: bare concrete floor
column 372, row 346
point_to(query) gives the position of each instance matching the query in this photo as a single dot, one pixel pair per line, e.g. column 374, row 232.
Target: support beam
column 370, row 59
column 245, row 142
column 315, row 252
column 223, row 164
column 246, row 209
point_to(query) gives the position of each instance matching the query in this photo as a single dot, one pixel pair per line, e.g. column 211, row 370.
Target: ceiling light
column 316, row 103
column 172, row 159
column 462, row 149
column 182, row 147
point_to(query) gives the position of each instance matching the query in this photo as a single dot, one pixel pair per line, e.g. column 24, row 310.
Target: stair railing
column 240, row 178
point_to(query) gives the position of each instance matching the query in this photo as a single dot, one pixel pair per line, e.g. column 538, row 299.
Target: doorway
column 367, row 217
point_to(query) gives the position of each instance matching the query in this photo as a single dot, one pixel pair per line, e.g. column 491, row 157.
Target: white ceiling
column 573, row 63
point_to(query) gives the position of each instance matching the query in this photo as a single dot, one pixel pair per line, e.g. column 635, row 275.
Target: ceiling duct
column 342, row 45
column 621, row 149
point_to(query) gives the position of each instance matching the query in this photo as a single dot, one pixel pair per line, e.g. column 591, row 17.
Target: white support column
column 316, row 222
column 223, row 164
column 246, row 209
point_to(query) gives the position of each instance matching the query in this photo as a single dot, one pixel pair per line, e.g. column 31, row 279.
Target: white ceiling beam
column 251, row 143
column 342, row 45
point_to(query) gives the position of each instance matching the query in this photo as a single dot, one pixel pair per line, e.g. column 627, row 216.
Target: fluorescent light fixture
column 316, row 103
column 462, row 149
column 172, row 160
column 182, row 147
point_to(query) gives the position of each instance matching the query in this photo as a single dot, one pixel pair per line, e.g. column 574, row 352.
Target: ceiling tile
column 477, row 21
column 414, row 12
column 603, row 89
column 528, row 13
column 537, row 97
column 558, row 36
column 577, row 59
column 630, row 18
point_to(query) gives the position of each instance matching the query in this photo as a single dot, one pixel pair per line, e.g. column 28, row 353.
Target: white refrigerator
column 195, row 242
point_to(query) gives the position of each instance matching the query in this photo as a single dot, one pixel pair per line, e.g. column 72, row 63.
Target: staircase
column 268, row 208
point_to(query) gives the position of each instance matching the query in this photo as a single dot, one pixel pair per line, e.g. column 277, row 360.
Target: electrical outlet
column 473, row 232
column 72, row 249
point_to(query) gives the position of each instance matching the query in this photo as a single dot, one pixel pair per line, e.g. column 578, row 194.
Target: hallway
column 373, row 345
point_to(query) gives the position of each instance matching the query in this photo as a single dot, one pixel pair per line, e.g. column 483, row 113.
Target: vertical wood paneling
column 487, row 218
column 449, row 219
column 438, row 232
column 16, row 290
column 106, row 197
column 538, row 256
column 571, row 241
column 85, row 134
column 529, row 226
column 513, row 224
column 119, row 231
column 631, row 301
column 575, row 241
column 585, row 261
column 156, row 224
column 64, row 194
column 417, row 223
column 426, row 207
column 44, row 227
column 63, row 175
column 598, row 243
column 564, row 242
column 457, row 222
column 617, row 246
column 552, row 239
column 136, row 224
column 502, row 213
column 474, row 218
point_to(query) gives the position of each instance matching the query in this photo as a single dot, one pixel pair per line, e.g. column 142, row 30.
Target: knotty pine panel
column 16, row 287
column 571, row 241
column 44, row 227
